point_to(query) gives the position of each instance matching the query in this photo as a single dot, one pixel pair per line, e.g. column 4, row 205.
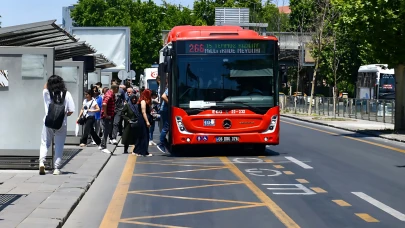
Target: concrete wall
column 22, row 106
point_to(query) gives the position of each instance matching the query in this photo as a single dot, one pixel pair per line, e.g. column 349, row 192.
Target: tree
column 143, row 17
column 380, row 24
column 321, row 21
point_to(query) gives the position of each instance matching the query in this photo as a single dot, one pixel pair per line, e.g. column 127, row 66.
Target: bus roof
column 374, row 68
column 188, row 32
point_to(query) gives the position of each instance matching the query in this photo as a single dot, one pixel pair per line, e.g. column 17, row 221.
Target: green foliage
column 380, row 23
column 302, row 17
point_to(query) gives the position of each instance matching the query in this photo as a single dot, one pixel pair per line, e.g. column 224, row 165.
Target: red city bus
column 223, row 86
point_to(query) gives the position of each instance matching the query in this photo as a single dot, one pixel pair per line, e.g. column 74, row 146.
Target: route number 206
column 196, row 47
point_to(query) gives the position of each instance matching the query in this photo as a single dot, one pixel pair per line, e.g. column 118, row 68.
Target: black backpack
column 56, row 113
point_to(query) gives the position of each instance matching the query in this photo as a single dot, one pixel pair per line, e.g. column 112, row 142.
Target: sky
column 17, row 12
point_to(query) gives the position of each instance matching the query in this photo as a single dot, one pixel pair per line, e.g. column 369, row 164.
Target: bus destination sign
column 227, row 47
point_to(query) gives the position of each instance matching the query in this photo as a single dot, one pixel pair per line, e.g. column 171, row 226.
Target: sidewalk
column 382, row 130
column 30, row 200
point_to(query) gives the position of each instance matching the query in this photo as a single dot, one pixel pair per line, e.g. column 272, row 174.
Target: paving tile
column 39, row 223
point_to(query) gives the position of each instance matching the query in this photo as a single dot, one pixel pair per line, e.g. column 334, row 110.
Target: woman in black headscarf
column 129, row 114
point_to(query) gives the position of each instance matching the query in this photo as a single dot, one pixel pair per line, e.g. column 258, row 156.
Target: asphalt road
column 316, row 177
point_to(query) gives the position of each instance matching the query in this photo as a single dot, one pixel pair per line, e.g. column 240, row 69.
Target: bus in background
column 375, row 81
column 223, row 87
column 148, row 79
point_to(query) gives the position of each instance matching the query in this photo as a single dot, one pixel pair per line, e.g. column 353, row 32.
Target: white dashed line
column 300, row 163
column 380, row 205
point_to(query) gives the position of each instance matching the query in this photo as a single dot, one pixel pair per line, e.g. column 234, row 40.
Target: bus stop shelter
column 29, row 54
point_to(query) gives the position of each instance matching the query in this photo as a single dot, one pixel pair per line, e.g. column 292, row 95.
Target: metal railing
column 364, row 109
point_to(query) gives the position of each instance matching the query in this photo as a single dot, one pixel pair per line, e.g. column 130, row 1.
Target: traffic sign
column 122, row 74
column 154, row 74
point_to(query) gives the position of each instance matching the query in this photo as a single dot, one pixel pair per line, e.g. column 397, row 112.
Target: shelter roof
column 46, row 34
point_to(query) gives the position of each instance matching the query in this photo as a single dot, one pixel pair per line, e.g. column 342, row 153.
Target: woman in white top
column 89, row 110
column 56, row 86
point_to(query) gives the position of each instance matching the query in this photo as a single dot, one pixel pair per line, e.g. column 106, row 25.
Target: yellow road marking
column 288, row 173
column 150, row 224
column 278, row 166
column 349, row 137
column 114, row 210
column 201, row 199
column 181, row 159
column 366, row 217
column 202, row 166
column 183, row 188
column 268, row 160
column 342, row 203
column 302, row 181
column 193, row 212
column 318, row 190
column 185, row 178
column 271, row 205
column 262, row 156
column 184, row 171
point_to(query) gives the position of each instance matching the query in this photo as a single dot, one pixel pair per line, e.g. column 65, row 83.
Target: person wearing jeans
column 107, row 113
column 164, row 115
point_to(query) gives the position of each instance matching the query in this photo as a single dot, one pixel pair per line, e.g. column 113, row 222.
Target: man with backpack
column 58, row 106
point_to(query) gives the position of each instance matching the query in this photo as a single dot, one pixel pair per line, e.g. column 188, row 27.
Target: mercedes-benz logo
column 227, row 124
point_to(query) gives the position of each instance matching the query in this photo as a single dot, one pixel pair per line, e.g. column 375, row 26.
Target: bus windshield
column 387, row 83
column 210, row 80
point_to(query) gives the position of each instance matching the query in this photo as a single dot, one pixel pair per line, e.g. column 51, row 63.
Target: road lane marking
column 342, row 203
column 116, row 206
column 268, row 160
column 288, row 173
column 349, row 137
column 318, row 190
column 192, row 212
column 181, row 164
column 302, row 181
column 278, row 166
column 256, row 172
column 300, row 163
column 183, row 188
column 151, row 224
column 201, row 199
column 380, row 205
column 297, row 187
column 184, row 171
column 271, row 205
column 186, row 178
column 366, row 217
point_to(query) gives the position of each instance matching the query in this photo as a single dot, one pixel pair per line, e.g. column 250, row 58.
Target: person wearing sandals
column 128, row 114
column 142, row 111
column 88, row 111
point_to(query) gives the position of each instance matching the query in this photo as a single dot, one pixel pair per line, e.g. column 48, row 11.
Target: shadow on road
column 370, row 133
column 223, row 150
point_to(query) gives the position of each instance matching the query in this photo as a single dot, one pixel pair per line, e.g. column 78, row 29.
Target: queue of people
column 105, row 114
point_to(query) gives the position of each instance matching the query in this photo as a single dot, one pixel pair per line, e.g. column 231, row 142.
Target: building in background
column 67, row 21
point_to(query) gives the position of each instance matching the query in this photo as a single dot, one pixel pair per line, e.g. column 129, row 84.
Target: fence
column 365, row 109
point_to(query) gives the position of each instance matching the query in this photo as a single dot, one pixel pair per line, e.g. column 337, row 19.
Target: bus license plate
column 225, row 139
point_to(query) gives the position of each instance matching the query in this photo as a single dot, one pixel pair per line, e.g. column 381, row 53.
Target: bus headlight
column 180, row 124
column 273, row 122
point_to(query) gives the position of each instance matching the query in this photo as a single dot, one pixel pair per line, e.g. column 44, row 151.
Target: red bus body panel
column 250, row 127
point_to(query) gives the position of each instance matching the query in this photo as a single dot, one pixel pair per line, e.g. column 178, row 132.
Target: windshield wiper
column 255, row 109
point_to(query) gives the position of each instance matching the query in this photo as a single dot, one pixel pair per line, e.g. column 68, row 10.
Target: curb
column 63, row 221
column 366, row 132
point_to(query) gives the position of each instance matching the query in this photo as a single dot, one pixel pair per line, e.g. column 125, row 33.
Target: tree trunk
column 313, row 87
column 334, row 102
column 298, row 79
column 399, row 124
